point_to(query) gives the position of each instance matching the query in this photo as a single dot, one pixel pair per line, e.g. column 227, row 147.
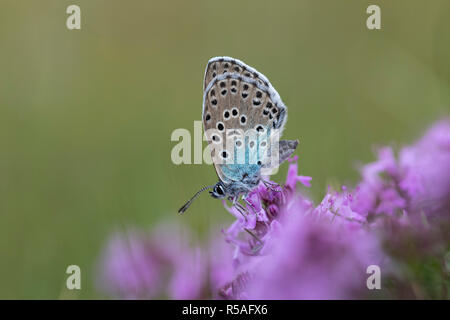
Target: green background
column 86, row 115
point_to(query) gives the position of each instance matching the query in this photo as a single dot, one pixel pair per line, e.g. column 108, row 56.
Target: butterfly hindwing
column 239, row 115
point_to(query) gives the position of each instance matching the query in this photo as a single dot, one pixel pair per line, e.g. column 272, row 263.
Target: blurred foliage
column 421, row 261
column 86, row 116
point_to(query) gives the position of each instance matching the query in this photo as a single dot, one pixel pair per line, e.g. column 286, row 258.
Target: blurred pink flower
column 314, row 259
column 131, row 268
column 426, row 172
column 144, row 266
column 418, row 182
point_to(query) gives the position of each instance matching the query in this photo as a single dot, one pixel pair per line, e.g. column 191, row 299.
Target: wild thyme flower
column 314, row 259
column 426, row 172
column 131, row 268
column 415, row 183
column 265, row 207
column 220, row 267
column 337, row 207
column 137, row 265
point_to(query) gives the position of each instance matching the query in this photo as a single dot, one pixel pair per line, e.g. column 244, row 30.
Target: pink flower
column 314, row 259
column 426, row 172
column 140, row 266
column 131, row 267
column 419, row 181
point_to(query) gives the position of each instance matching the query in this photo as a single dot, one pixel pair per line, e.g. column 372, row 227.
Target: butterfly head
column 219, row 191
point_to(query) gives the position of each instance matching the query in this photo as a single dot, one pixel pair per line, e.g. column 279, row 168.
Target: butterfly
column 243, row 118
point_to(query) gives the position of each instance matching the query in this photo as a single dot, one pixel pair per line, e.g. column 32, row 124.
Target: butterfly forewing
column 220, row 65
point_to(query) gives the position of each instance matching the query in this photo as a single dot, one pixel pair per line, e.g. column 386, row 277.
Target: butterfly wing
column 233, row 105
column 285, row 149
column 220, row 65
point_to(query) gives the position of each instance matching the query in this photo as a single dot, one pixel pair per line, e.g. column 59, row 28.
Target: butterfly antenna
column 187, row 204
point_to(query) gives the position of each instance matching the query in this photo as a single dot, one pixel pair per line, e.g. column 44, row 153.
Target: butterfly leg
column 249, row 203
column 275, row 187
column 272, row 186
column 254, row 236
column 239, row 207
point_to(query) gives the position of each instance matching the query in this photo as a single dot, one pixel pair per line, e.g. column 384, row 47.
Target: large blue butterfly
column 243, row 118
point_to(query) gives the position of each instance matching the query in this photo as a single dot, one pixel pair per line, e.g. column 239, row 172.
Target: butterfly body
column 235, row 188
column 243, row 117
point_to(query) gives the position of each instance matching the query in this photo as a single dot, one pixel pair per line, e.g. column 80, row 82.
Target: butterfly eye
column 238, row 143
column 263, row 144
column 235, row 112
column 243, row 119
column 219, row 190
column 226, row 114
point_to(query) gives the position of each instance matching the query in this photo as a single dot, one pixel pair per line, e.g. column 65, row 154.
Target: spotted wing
column 240, row 116
column 221, row 65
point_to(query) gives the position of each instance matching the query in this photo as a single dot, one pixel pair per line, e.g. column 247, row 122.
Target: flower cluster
column 305, row 251
column 137, row 266
column 285, row 247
